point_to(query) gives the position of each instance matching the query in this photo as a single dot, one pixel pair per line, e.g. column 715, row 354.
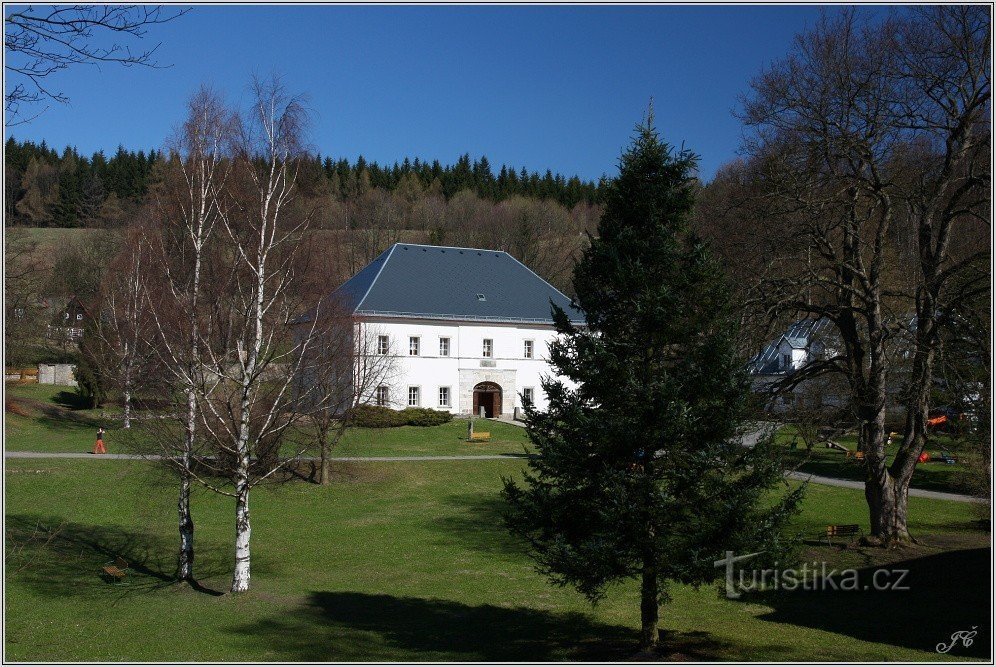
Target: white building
column 466, row 329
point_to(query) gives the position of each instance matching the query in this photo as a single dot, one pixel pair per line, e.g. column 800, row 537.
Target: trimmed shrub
column 425, row 417
column 374, row 416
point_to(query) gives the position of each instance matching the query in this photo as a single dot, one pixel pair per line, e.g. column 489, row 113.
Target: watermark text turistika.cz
column 815, row 576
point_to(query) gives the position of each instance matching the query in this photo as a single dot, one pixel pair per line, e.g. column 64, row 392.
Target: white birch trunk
column 126, row 395
column 185, row 563
column 243, row 530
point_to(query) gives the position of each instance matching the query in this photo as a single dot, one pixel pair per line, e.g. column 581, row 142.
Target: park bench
column 116, row 570
column 480, row 435
column 848, row 530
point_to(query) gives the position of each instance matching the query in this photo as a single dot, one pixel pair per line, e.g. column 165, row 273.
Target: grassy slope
column 408, row 561
column 395, row 561
column 54, row 424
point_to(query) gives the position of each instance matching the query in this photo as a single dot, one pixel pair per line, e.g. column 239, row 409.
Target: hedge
column 373, row 416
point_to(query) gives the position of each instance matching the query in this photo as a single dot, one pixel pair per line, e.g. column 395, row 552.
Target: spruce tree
column 640, row 472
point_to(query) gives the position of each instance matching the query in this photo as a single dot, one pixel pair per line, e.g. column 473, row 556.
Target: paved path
column 801, row 476
column 159, row 457
column 854, row 484
column 505, row 419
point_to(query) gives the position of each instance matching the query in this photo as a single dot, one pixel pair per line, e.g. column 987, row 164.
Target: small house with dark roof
column 467, row 328
column 804, row 341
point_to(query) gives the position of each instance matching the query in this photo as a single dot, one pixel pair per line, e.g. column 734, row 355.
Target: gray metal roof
column 434, row 282
column 799, row 335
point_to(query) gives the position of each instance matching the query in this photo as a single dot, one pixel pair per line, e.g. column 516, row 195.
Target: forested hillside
column 49, row 188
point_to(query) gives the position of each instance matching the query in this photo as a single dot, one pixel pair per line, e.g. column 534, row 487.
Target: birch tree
column 254, row 353
column 122, row 322
column 187, row 204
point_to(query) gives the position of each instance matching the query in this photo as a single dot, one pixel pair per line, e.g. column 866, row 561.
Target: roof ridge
column 451, row 247
column 374, row 281
column 569, row 300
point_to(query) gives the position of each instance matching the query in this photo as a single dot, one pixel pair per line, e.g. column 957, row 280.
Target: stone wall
column 57, row 374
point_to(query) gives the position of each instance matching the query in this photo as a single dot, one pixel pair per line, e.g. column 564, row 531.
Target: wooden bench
column 116, row 570
column 844, row 530
column 480, row 435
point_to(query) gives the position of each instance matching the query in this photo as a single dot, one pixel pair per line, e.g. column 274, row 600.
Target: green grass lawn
column 408, row 561
column 54, row 422
column 48, row 418
column 933, row 475
column 446, row 439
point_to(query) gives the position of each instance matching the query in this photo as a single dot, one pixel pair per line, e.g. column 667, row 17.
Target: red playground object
column 923, row 458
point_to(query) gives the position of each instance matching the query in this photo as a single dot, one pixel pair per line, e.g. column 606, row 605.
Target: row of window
column 415, row 347
column 383, row 396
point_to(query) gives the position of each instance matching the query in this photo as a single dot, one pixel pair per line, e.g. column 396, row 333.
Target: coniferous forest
column 357, row 208
column 46, row 187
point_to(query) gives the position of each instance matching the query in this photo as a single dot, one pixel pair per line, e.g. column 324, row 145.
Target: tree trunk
column 887, row 498
column 126, row 395
column 127, row 409
column 323, row 470
column 185, row 564
column 885, row 492
column 240, row 578
column 649, row 607
column 186, row 560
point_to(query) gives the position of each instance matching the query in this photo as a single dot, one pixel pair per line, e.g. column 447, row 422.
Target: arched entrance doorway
column 487, row 395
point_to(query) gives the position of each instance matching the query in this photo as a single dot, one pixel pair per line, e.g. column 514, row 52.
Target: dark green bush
column 373, row 416
column 425, row 417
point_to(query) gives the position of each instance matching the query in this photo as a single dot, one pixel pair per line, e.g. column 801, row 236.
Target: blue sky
column 542, row 87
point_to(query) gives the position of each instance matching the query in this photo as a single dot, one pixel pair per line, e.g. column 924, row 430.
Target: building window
column 383, row 344
column 527, row 349
column 413, row 397
column 444, row 397
column 527, row 396
column 488, row 348
column 444, row 347
column 382, row 396
column 786, row 361
column 413, row 346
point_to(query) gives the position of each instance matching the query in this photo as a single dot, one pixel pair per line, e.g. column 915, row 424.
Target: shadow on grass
column 59, row 558
column 947, row 593
column 477, row 523
column 359, row 626
column 71, row 400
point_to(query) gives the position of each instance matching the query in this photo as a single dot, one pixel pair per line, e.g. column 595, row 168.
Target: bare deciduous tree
column 187, row 209
column 40, row 41
column 23, row 280
column 120, row 319
column 873, row 138
column 253, row 355
column 342, row 370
